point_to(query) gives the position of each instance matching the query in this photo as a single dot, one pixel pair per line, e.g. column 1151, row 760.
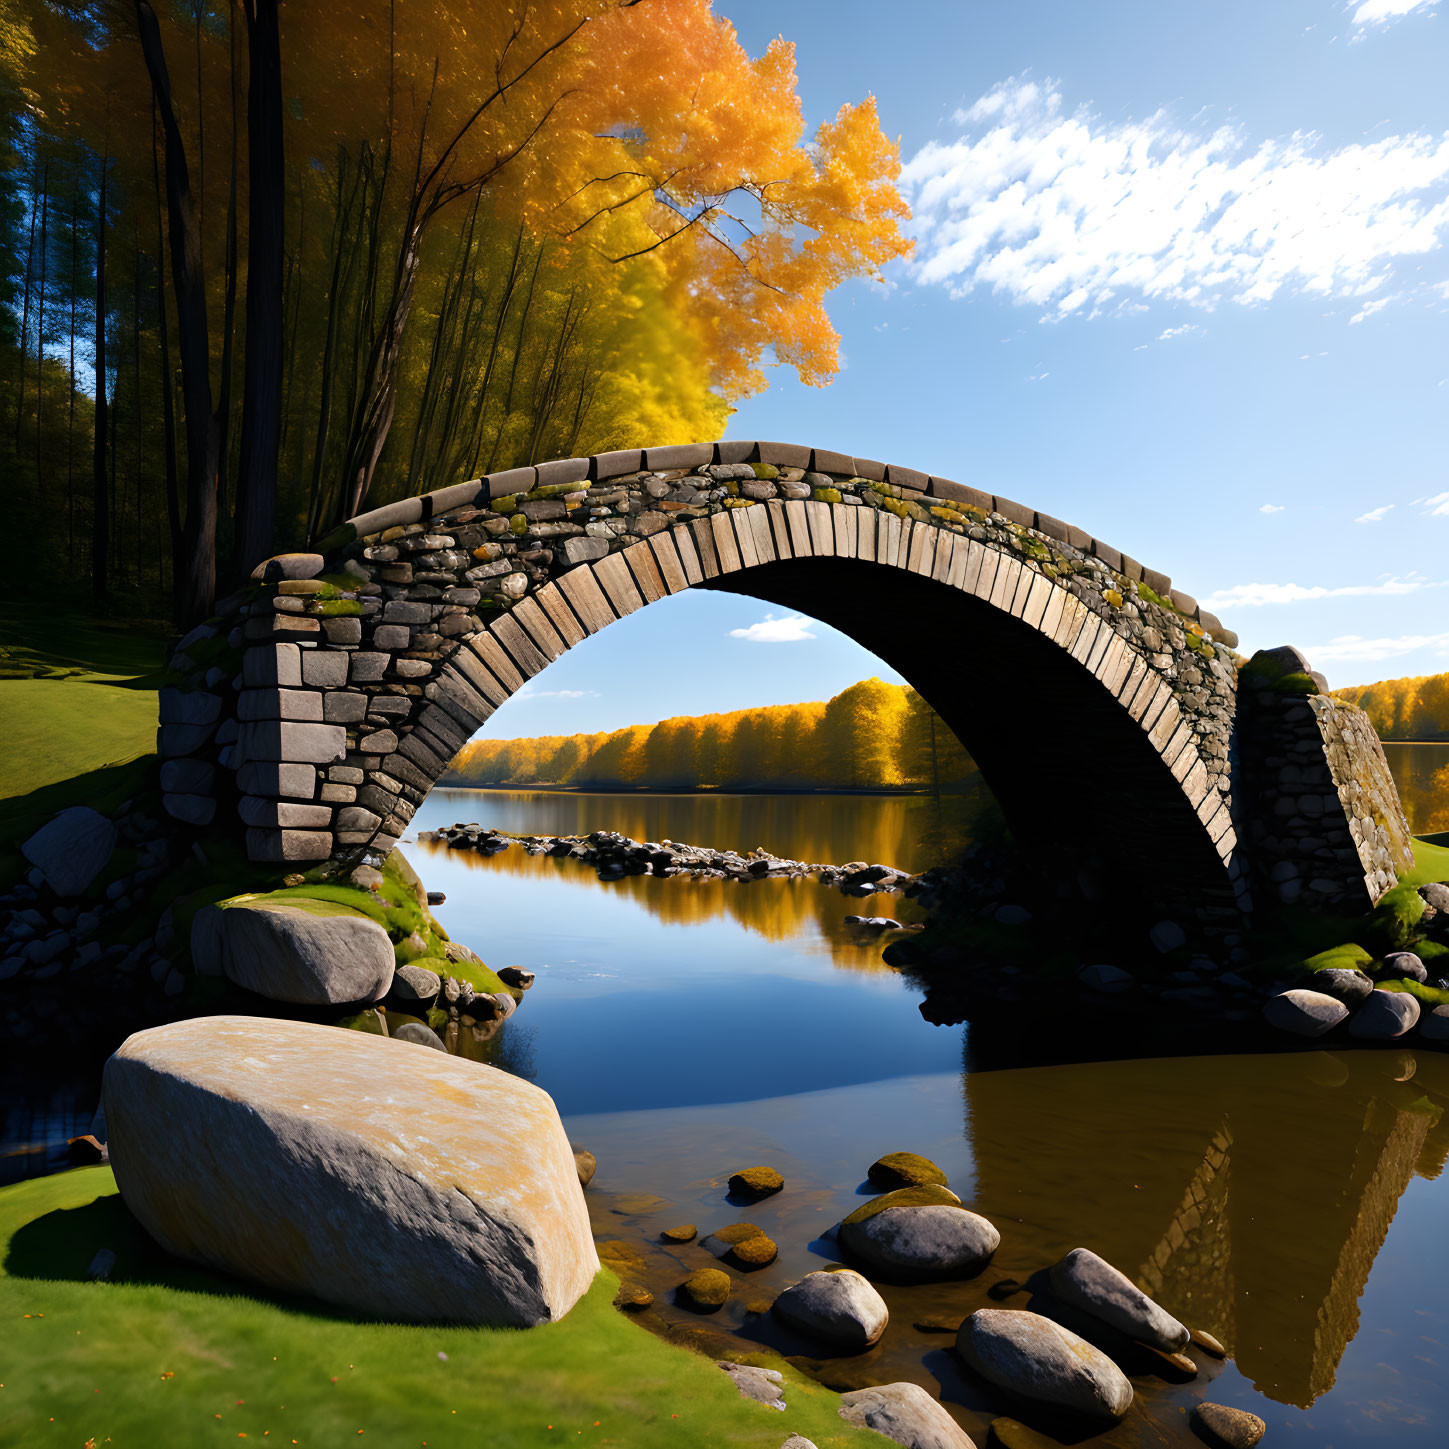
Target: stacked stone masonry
column 323, row 702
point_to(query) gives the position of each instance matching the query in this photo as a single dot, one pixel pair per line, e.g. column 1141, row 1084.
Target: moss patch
column 1431, row 996
column 928, row 1194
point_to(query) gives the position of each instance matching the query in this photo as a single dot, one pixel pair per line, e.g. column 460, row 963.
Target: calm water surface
column 1293, row 1205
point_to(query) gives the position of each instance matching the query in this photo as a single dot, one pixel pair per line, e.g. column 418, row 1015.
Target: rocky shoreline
column 614, row 856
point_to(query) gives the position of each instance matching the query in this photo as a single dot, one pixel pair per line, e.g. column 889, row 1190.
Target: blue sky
column 1181, row 277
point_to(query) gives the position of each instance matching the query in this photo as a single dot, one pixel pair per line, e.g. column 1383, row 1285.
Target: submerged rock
column 918, row 1232
column 1092, row 1284
column 904, row 1169
column 906, row 1413
column 1384, row 1016
column 1027, row 1354
column 840, row 1308
column 235, row 1139
column 1304, row 1013
column 684, row 1233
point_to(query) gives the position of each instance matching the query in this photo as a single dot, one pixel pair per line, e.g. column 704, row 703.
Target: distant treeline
column 872, row 736
column 1405, row 709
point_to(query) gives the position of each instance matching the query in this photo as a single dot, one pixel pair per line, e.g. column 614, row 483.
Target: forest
column 871, row 736
column 264, row 265
column 1405, row 709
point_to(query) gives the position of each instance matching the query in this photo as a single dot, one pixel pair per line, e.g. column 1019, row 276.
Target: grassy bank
column 167, row 1354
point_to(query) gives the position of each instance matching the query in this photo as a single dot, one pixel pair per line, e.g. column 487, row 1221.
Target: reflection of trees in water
column 1422, row 774
column 778, row 910
column 1251, row 1195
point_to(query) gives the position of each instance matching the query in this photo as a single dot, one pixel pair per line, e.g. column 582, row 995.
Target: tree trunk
column 40, row 328
column 100, row 515
column 168, row 382
column 256, row 498
column 25, row 307
column 196, row 581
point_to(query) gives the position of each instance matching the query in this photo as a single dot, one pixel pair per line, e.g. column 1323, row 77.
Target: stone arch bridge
column 1105, row 708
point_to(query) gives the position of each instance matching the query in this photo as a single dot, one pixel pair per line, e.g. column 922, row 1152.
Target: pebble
column 1209, row 1345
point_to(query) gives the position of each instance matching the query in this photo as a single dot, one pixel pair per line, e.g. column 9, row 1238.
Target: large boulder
column 840, row 1308
column 1029, row 1355
column 311, row 952
column 906, row 1413
column 410, row 1185
column 1092, row 1284
column 919, row 1232
column 72, row 849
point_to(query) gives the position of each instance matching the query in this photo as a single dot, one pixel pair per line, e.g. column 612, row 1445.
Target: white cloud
column 529, row 692
column 1271, row 508
column 1169, row 333
column 1354, row 649
column 1382, row 12
column 771, row 630
column 1369, row 308
column 1375, row 515
column 1437, row 505
column 1249, row 596
column 1077, row 214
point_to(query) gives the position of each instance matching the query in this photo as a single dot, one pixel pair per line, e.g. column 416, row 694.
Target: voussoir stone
column 1092, row 1284
column 906, row 1413
column 1303, row 1012
column 1384, row 1016
column 1026, row 1354
column 842, row 1308
column 71, row 850
column 288, row 953
column 918, row 1232
column 412, row 1185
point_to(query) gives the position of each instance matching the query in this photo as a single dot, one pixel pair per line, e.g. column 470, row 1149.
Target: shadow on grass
column 61, row 1245
column 104, row 789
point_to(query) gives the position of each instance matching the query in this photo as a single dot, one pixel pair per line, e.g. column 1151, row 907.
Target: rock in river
column 586, row 1163
column 410, row 1185
column 906, row 1413
column 919, row 1232
column 1304, row 1013
column 706, row 1290
column 1229, row 1428
column 1384, row 1016
column 840, row 1308
column 755, row 1182
column 1027, row 1354
column 903, row 1169
column 310, row 952
column 1095, row 1286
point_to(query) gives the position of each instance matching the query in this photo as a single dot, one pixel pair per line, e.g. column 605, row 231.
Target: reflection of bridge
column 1100, row 703
column 1250, row 1195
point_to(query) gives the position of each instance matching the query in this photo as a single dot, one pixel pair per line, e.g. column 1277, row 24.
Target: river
column 1292, row 1205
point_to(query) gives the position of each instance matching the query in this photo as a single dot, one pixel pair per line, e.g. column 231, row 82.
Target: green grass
column 168, row 1354
column 78, row 698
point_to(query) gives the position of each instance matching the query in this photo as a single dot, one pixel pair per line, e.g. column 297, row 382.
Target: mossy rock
column 684, row 1233
column 754, row 1252
column 507, row 504
column 756, row 1182
column 825, row 495
column 904, row 1169
column 765, row 470
column 736, row 1233
column 1430, row 996
column 705, row 1291
column 622, row 1257
column 474, row 973
column 930, row 1194
column 368, row 1021
column 519, row 523
column 1393, row 924
column 340, row 608
column 633, row 1297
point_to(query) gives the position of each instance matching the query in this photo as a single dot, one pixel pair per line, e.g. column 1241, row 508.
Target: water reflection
column 1293, row 1205
column 1422, row 774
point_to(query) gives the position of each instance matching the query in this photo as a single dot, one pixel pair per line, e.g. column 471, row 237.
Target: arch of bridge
column 1098, row 701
